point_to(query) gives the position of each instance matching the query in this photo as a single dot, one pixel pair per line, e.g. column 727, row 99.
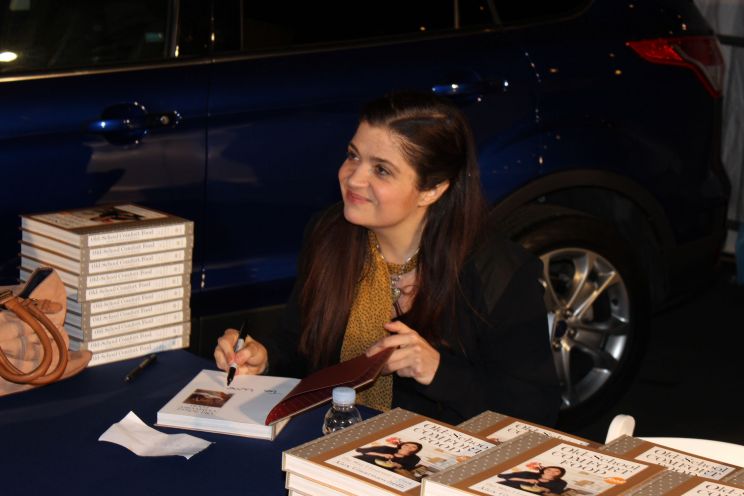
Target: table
column 49, row 438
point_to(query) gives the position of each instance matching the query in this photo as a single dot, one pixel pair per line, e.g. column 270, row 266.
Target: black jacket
column 499, row 359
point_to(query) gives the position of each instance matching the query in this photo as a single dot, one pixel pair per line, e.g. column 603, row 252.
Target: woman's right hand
column 252, row 359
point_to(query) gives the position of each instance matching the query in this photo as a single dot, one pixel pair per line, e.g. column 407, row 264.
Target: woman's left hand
column 413, row 356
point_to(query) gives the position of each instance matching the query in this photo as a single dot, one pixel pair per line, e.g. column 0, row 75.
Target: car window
column 510, row 12
column 43, row 35
column 274, row 25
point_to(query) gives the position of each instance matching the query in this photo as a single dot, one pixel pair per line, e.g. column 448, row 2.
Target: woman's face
column 379, row 185
column 407, row 449
column 551, row 473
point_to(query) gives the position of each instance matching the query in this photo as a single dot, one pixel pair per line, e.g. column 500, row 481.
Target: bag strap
column 27, row 311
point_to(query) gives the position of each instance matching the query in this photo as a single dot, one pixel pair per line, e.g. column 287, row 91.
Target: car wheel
column 596, row 305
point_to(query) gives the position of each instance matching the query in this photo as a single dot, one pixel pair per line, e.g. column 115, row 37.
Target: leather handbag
column 33, row 342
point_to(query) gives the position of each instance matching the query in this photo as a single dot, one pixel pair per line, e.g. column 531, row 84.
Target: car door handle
column 128, row 123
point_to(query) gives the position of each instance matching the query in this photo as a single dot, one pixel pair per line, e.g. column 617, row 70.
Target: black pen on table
column 139, row 368
column 238, row 346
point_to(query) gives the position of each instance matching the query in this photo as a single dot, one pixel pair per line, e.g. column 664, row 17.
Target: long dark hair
column 436, row 139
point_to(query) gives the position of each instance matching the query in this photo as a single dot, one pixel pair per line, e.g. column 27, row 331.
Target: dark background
column 690, row 381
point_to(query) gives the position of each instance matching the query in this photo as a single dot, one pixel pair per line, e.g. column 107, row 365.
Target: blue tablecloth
column 49, row 438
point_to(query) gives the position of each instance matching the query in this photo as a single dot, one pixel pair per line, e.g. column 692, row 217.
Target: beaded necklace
column 395, row 270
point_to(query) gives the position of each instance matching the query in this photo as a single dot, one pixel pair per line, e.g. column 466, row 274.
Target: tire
column 597, row 305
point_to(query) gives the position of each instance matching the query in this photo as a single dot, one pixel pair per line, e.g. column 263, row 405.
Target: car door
column 100, row 102
column 287, row 87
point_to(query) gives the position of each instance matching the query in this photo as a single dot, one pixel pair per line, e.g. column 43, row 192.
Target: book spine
column 120, row 277
column 131, row 339
column 142, row 234
column 103, row 357
column 104, row 292
column 84, row 267
column 141, row 248
column 125, row 314
column 87, row 309
column 110, row 278
column 91, row 333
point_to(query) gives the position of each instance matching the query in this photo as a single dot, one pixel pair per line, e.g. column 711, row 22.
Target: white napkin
column 137, row 437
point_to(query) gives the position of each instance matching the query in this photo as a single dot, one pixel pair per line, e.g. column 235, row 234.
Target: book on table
column 386, row 455
column 538, row 464
column 500, row 428
column 262, row 405
column 207, row 403
column 675, row 459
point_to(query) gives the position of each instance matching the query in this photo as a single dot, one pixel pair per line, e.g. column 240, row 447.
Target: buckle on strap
column 5, row 295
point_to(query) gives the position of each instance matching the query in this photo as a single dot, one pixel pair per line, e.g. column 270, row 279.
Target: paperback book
column 389, row 454
column 207, row 403
column 534, row 463
column 676, row 460
column 500, row 428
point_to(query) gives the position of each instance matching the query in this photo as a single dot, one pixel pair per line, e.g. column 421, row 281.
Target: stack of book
column 127, row 272
column 401, row 453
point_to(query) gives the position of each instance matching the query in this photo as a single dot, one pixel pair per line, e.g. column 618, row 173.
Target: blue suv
column 597, row 124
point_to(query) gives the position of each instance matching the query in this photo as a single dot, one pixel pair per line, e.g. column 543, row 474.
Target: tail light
column 701, row 54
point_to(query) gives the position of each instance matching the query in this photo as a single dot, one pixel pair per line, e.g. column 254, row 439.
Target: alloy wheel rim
column 589, row 319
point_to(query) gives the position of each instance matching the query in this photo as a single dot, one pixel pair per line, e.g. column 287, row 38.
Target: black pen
column 238, row 346
column 139, row 368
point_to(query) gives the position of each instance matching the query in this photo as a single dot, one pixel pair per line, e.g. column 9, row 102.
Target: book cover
column 389, row 454
column 670, row 483
column 182, row 329
column 107, row 224
column 674, row 459
column 534, row 463
column 35, row 240
column 90, row 333
column 207, row 403
column 102, row 357
column 500, row 428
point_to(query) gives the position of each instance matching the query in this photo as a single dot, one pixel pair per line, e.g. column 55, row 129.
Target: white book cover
column 207, row 403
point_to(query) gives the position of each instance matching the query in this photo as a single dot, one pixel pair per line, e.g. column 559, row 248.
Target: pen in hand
column 139, row 368
column 238, row 347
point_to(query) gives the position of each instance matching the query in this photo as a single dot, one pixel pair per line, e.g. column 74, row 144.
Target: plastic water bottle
column 343, row 412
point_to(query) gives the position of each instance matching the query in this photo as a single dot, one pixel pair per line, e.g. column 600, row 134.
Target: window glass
column 275, row 25
column 44, row 35
column 525, row 11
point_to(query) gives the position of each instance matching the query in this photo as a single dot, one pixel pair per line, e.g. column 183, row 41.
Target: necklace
column 395, row 270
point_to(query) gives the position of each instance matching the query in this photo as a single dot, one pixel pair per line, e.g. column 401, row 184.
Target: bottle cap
column 344, row 395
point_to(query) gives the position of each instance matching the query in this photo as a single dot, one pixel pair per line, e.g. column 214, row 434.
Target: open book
column 260, row 406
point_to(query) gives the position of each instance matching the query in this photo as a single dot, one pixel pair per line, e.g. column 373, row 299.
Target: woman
column 401, row 456
column 407, row 262
column 546, row 481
